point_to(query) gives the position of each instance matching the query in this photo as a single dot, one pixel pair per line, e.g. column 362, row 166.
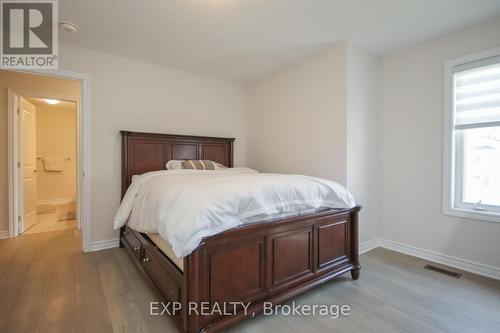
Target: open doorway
column 48, row 187
column 48, row 151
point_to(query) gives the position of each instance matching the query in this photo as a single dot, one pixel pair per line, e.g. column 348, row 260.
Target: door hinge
column 19, row 165
column 18, row 110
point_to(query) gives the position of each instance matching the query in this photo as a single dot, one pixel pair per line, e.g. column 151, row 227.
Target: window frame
column 451, row 150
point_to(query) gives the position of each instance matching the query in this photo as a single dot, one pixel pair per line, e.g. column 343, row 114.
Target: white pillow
column 177, row 165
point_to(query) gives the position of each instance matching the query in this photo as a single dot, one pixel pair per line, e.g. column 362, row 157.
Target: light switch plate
column 112, row 140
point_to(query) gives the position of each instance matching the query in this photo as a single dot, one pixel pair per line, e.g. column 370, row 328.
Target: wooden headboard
column 144, row 152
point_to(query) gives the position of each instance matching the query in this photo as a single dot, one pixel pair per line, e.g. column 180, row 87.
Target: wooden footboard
column 263, row 262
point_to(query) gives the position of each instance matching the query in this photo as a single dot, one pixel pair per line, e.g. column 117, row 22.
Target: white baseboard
column 4, row 234
column 105, row 244
column 444, row 259
column 369, row 245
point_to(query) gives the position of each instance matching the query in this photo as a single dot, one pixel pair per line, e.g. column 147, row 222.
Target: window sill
column 473, row 214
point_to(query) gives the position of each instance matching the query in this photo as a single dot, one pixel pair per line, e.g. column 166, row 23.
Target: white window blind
column 477, row 94
column 471, row 145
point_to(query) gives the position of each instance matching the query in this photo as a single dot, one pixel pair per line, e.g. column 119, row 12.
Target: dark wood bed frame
column 257, row 263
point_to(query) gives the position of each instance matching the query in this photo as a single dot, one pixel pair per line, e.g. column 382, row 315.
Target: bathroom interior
column 55, row 136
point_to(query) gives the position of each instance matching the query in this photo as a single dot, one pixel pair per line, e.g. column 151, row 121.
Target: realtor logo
column 29, row 34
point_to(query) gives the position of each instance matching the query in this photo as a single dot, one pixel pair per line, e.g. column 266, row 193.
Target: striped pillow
column 201, row 165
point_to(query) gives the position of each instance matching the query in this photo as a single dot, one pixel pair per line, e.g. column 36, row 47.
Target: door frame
column 83, row 151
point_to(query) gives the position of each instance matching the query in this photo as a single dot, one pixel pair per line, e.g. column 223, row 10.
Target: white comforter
column 184, row 206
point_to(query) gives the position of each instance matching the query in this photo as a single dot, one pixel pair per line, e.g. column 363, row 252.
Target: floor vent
column 443, row 271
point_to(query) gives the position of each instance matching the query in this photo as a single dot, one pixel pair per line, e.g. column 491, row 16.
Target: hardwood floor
column 48, row 285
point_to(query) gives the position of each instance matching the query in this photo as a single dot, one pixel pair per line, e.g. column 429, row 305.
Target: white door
column 28, row 164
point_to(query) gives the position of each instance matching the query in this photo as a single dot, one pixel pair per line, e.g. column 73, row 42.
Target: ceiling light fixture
column 68, row 26
column 52, row 101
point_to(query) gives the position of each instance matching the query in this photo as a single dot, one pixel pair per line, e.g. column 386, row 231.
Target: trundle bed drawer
column 132, row 242
column 165, row 283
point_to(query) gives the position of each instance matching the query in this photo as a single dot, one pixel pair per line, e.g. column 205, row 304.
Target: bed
column 271, row 261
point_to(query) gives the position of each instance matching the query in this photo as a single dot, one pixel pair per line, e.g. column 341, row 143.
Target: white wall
column 411, row 136
column 376, row 126
column 132, row 95
column 296, row 117
column 320, row 117
column 362, row 137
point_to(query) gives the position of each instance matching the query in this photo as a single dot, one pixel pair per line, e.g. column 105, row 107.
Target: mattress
column 185, row 206
column 167, row 250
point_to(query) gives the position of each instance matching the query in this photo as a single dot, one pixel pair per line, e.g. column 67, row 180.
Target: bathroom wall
column 56, row 137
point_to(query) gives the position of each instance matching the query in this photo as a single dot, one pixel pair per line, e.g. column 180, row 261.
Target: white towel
column 53, row 164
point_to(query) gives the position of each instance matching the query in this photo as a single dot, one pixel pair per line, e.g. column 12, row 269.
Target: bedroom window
column 472, row 142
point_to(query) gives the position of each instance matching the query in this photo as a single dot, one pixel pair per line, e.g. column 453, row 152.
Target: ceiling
column 62, row 105
column 241, row 40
